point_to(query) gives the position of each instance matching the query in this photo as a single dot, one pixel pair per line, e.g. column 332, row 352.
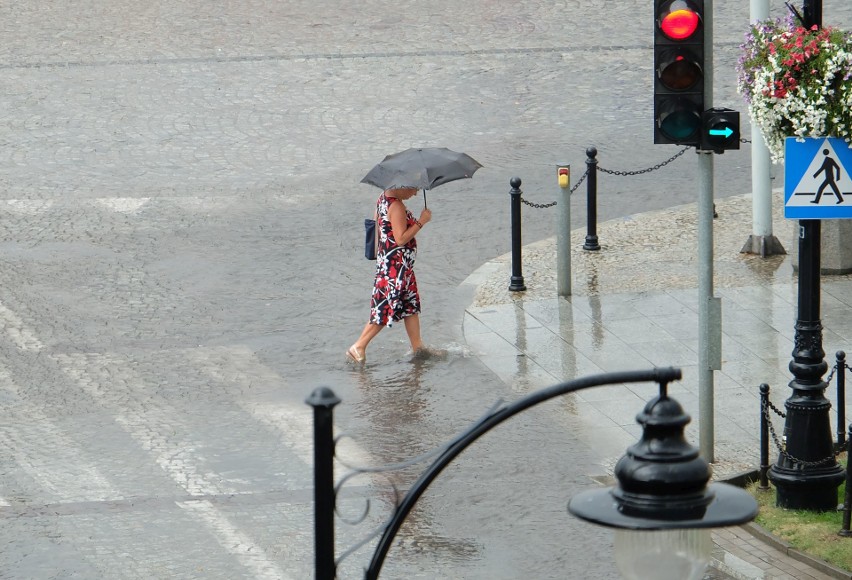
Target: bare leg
column 412, row 328
column 369, row 333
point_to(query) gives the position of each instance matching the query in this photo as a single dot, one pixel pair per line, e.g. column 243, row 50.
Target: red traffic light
column 679, row 20
column 679, row 71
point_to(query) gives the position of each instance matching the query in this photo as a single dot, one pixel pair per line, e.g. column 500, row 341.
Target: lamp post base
column 763, row 246
column 807, row 474
column 811, row 489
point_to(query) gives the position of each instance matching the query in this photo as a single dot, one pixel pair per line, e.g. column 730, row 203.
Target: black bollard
column 847, row 498
column 841, row 398
column 591, row 201
column 517, row 282
column 764, row 436
column 323, row 401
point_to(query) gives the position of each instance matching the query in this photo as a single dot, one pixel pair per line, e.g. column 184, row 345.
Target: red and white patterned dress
column 395, row 290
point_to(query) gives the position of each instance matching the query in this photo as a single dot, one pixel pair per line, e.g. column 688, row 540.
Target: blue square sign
column 817, row 184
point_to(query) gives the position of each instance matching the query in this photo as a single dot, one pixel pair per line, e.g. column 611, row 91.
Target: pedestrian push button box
column 564, row 175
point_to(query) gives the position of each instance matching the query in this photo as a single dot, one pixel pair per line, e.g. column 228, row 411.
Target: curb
column 782, row 546
column 743, row 479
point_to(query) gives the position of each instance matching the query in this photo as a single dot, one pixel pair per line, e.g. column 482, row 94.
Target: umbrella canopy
column 421, row 168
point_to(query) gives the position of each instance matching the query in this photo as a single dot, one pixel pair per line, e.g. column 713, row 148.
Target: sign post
column 806, row 474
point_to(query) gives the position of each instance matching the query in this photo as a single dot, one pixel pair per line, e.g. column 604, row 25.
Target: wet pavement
column 180, row 224
column 633, row 306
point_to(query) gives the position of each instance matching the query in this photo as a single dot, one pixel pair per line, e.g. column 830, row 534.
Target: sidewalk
column 634, row 305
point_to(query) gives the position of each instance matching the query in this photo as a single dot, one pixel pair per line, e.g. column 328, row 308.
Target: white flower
column 797, row 82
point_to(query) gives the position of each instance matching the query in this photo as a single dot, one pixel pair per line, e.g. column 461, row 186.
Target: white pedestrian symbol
column 824, row 175
column 829, row 168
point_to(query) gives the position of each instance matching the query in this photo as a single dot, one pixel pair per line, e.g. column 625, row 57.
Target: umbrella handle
column 424, row 199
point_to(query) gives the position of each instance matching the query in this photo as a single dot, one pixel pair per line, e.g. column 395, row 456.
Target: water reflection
column 395, row 403
column 521, row 340
column 568, row 356
column 593, row 289
column 769, row 269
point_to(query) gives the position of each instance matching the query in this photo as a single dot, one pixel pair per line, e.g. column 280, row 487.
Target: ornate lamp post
column 806, row 474
column 662, row 506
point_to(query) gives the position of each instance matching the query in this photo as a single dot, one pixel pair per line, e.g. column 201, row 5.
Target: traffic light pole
column 709, row 323
column 684, row 115
column 709, row 311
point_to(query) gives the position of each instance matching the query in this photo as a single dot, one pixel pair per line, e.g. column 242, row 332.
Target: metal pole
column 516, row 284
column 323, row 401
column 812, row 13
column 841, row 398
column 764, row 436
column 847, row 497
column 591, row 201
column 709, row 308
column 563, row 231
column 761, row 241
column 807, row 476
column 709, row 311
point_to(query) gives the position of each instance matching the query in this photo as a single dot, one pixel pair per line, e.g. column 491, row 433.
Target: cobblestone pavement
column 179, row 204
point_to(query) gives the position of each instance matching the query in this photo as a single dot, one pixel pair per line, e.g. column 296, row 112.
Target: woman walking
column 395, row 295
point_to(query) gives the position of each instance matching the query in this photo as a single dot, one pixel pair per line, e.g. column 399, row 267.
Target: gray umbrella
column 421, row 168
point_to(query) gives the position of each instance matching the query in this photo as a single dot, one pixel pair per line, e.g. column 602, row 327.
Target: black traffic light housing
column 720, row 130
column 678, row 71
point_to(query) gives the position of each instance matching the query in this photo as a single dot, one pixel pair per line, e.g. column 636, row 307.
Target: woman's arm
column 402, row 233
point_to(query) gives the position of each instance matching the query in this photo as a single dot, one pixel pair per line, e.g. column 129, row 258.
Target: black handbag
column 370, row 239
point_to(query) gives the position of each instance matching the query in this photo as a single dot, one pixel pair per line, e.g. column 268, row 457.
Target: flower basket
column 797, row 82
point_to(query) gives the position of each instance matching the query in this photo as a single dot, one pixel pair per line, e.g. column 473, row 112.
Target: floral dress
column 395, row 291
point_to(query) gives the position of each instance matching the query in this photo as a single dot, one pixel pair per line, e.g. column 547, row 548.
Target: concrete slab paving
column 640, row 309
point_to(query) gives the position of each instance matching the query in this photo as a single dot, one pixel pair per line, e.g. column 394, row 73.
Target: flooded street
column 181, row 264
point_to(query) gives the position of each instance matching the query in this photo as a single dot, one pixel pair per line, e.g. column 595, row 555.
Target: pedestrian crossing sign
column 817, row 183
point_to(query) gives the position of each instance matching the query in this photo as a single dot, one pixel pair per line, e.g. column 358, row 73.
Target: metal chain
column 538, row 205
column 582, row 178
column 831, row 375
column 610, row 172
column 776, row 409
column 650, row 169
column 781, row 448
column 547, row 205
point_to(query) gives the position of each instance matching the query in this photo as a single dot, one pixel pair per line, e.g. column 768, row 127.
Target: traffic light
column 720, row 130
column 678, row 71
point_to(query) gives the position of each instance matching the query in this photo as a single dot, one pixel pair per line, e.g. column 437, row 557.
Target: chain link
column 778, row 411
column 831, row 375
column 782, row 448
column 547, row 205
column 650, row 169
column 610, row 172
column 538, row 205
column 614, row 172
column 577, row 185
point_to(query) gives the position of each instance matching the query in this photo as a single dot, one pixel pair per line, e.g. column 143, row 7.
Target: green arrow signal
column 726, row 132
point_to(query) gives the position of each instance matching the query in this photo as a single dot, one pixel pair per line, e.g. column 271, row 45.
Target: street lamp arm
column 662, row 376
